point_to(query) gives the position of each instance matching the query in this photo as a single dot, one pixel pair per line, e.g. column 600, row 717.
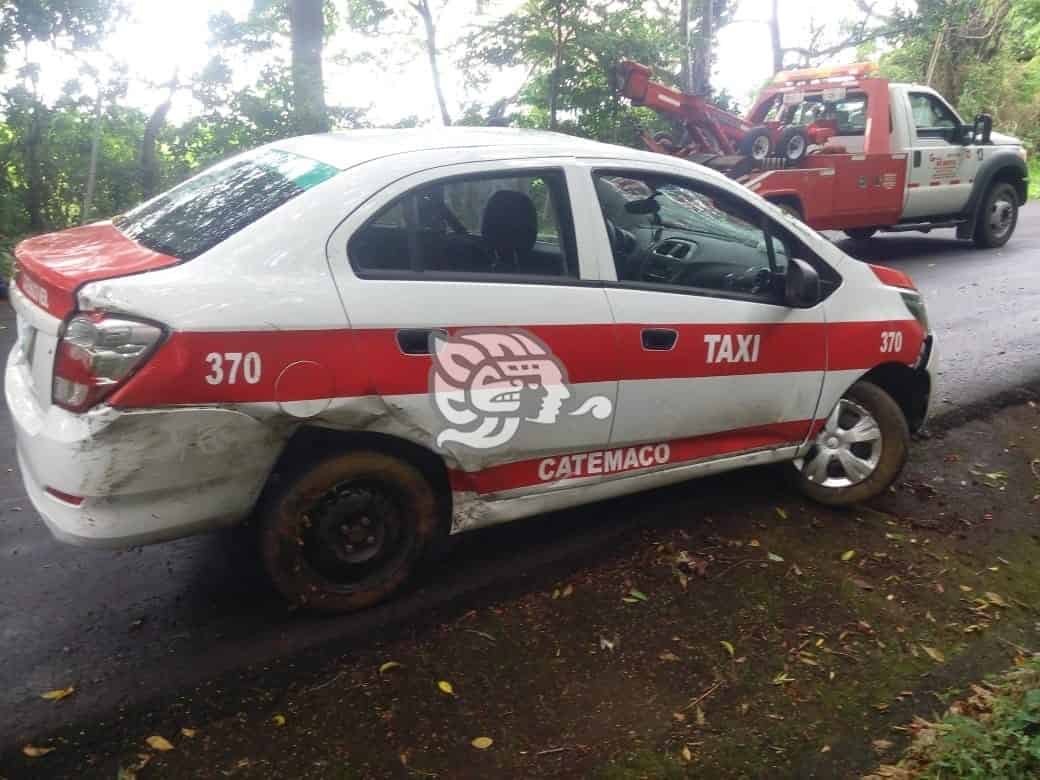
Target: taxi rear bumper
column 117, row 478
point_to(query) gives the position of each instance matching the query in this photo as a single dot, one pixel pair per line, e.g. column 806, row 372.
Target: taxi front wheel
column 860, row 450
column 346, row 532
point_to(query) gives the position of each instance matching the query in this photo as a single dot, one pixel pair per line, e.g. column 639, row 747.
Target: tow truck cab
column 896, row 157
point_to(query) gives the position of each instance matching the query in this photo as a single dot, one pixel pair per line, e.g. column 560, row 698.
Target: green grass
column 1034, row 177
column 995, row 733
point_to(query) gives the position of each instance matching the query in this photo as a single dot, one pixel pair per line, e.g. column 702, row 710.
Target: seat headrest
column 510, row 222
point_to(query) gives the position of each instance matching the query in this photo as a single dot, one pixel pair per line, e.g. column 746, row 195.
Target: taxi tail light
column 97, row 354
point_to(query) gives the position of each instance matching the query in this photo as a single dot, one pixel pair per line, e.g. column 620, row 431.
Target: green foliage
column 995, row 733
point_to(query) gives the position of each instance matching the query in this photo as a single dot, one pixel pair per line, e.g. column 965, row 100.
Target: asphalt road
column 125, row 626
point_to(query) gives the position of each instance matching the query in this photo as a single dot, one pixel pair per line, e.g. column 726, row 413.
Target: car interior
column 468, row 229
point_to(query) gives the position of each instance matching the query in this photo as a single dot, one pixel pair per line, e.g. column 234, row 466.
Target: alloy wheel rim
column 846, row 451
column 760, row 147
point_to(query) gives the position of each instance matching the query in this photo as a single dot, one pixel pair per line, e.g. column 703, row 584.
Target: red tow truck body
column 830, row 187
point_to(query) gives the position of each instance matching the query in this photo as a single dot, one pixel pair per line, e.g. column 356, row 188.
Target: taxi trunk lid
column 50, row 270
column 52, row 267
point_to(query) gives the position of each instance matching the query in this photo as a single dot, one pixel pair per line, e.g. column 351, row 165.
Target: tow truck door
column 939, row 181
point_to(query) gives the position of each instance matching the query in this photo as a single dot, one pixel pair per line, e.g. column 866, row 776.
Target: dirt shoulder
column 732, row 630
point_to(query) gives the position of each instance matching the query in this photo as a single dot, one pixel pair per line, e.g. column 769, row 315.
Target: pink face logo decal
column 486, row 382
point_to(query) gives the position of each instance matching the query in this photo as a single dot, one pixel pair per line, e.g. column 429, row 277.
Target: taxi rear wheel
column 348, row 531
column 860, row 450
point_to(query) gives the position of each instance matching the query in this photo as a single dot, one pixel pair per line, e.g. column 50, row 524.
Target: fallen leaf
column 781, row 513
column 825, row 749
column 668, row 655
column 699, row 715
column 729, row 647
column 686, row 754
column 679, row 716
column 782, row 679
column 188, row 732
column 36, row 752
column 59, row 694
column 278, row 720
column 482, row 743
column 637, row 594
column 881, row 745
column 967, row 588
column 567, row 591
column 934, row 654
column 446, row 688
column 775, row 558
column 609, row 644
column 161, row 744
column 861, row 583
column 997, row 599
column 754, row 543
column 388, row 666
column 848, row 555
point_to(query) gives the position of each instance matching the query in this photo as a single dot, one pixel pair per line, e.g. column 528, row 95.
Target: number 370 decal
column 227, row 368
column 891, row 341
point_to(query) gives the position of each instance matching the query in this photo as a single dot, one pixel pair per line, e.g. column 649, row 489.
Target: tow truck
column 843, row 149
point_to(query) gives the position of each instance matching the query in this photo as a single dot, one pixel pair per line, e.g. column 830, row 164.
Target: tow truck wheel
column 757, row 144
column 859, row 452
column 860, row 234
column 998, row 217
column 794, row 143
column 346, row 532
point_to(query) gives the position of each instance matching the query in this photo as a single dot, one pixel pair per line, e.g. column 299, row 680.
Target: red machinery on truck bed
column 844, row 149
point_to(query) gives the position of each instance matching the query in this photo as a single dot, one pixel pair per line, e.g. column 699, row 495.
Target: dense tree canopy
column 264, row 79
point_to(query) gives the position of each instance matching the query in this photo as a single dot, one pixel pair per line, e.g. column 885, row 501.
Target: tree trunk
column 307, row 23
column 422, row 7
column 554, row 77
column 702, row 80
column 35, row 194
column 774, row 37
column 95, row 141
column 685, row 72
column 149, row 171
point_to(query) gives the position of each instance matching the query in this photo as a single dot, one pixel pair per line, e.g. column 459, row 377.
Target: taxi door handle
column 416, row 341
column 662, row 339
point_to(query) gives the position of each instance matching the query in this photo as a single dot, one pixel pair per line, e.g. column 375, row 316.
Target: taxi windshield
column 200, row 213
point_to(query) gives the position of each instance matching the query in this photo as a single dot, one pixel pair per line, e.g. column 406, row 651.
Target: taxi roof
column 345, row 149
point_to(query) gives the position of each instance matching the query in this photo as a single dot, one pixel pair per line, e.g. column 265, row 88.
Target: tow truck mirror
column 801, row 285
column 982, row 129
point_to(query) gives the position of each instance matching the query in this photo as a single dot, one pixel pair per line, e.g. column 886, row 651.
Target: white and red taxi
column 362, row 342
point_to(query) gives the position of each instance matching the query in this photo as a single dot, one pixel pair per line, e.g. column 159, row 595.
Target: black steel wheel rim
column 354, row 533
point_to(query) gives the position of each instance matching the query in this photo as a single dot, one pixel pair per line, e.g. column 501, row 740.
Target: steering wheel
column 754, row 280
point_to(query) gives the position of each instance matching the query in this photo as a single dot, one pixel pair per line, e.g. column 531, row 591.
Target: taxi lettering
column 741, row 348
column 588, row 464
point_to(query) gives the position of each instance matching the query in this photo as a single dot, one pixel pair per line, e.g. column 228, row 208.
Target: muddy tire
column 348, row 531
column 861, row 234
column 997, row 217
column 860, row 451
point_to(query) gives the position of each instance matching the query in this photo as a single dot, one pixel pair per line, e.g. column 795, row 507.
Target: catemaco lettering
column 740, row 348
column 227, row 368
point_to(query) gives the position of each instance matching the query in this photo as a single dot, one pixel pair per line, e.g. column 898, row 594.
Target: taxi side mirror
column 801, row 285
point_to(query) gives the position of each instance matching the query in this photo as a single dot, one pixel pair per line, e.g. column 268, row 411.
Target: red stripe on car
column 639, row 457
column 892, row 276
column 198, row 368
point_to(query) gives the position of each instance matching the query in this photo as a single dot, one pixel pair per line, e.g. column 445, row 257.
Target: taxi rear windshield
column 200, row 213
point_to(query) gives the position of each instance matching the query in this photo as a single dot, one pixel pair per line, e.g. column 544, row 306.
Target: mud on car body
column 363, row 342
